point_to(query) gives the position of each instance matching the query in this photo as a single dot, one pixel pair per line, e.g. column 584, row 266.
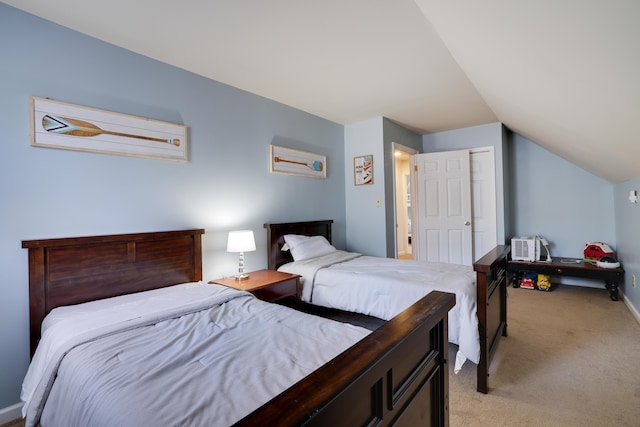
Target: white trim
column 10, row 413
column 631, row 308
column 395, row 146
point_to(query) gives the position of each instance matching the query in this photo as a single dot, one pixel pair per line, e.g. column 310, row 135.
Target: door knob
column 467, row 223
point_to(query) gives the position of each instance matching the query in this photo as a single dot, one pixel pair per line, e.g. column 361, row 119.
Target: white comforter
column 198, row 354
column 383, row 287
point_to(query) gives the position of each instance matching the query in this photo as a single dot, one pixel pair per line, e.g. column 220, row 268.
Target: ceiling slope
column 564, row 74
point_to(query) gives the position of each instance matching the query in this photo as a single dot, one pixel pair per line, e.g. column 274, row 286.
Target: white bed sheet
column 383, row 287
column 211, row 360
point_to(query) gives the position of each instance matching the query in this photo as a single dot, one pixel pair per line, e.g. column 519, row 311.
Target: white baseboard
column 631, row 308
column 10, row 413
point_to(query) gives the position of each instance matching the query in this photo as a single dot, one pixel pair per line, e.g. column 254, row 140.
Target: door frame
column 410, row 151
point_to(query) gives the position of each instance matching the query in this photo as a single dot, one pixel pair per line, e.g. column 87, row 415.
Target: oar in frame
column 315, row 165
column 76, row 127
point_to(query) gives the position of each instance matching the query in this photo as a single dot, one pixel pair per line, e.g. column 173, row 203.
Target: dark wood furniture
column 560, row 266
column 268, row 285
column 491, row 290
column 80, row 269
column 407, row 386
column 396, row 375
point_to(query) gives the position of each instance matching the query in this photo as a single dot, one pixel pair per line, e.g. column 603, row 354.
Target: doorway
column 454, row 205
column 402, row 199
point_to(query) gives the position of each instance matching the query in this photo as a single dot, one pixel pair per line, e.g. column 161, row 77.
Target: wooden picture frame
column 67, row 126
column 296, row 162
column 363, row 170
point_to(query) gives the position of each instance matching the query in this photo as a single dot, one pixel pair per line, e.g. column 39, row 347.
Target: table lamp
column 241, row 241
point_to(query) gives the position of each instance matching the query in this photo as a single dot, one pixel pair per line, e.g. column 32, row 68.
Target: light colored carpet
column 572, row 358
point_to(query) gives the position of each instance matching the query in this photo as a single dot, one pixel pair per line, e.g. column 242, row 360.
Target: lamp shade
column 241, row 241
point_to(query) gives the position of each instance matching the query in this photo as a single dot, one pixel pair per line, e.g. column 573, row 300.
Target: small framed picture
column 363, row 170
column 296, row 162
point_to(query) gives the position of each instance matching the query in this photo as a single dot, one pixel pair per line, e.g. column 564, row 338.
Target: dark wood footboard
column 491, row 272
column 397, row 375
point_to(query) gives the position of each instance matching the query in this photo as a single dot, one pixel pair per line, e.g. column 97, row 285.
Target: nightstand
column 268, row 285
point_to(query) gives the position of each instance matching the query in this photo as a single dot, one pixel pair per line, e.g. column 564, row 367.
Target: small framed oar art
column 60, row 125
column 295, row 162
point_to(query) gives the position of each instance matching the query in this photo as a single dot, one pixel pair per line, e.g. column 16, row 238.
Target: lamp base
column 241, row 274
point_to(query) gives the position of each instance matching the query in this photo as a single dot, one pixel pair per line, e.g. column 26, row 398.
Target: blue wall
column 558, row 200
column 371, row 226
column 628, row 240
column 571, row 207
column 367, row 230
column 225, row 185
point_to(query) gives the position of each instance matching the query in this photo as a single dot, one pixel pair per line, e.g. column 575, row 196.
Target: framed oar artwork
column 295, row 162
column 58, row 124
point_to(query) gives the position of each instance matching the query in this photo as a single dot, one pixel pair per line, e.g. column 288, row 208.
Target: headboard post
column 37, row 297
column 197, row 255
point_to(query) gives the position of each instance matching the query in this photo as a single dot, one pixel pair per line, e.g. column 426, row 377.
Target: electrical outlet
column 633, row 280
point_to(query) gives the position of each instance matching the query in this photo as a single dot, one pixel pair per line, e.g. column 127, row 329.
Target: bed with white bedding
column 178, row 342
column 381, row 287
column 131, row 335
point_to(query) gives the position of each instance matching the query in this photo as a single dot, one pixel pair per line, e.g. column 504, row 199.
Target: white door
column 483, row 201
column 443, row 207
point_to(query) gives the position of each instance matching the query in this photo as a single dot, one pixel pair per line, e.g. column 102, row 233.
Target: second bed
column 382, row 287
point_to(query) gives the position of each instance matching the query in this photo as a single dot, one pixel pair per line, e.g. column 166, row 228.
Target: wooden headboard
column 276, row 233
column 79, row 269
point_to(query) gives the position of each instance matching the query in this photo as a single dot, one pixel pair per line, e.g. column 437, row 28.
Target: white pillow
column 305, row 247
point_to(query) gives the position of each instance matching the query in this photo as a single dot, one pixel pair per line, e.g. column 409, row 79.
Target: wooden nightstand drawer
column 268, row 285
column 288, row 288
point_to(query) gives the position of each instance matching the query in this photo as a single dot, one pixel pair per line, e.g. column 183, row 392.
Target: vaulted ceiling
column 563, row 73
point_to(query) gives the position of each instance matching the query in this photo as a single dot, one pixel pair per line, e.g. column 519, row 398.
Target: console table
column 568, row 267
